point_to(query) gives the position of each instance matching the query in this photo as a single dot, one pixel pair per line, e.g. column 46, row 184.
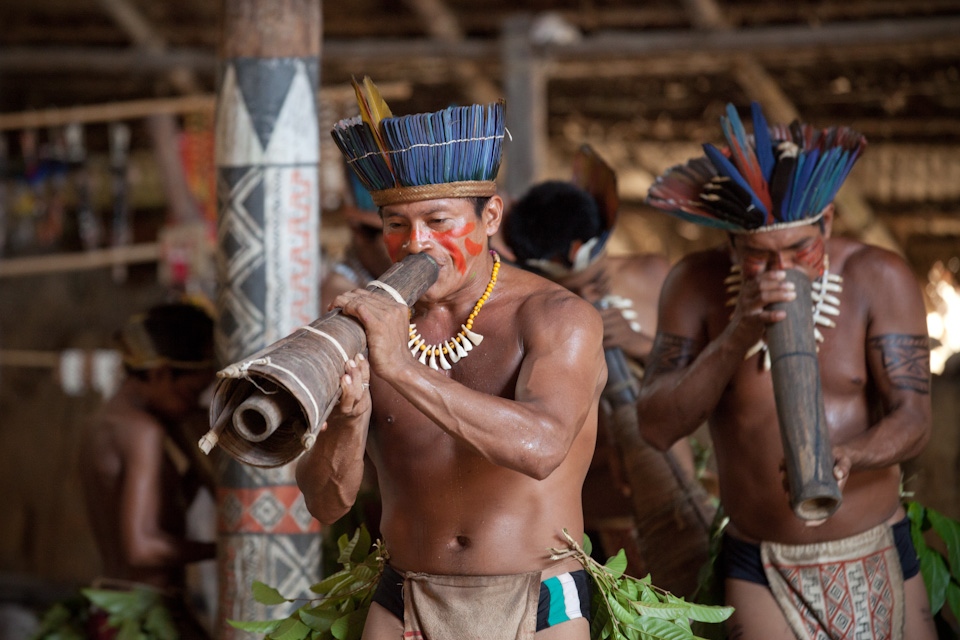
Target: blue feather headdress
column 780, row 176
column 453, row 153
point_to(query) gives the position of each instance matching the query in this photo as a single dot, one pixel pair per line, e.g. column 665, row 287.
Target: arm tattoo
column 906, row 360
column 670, row 353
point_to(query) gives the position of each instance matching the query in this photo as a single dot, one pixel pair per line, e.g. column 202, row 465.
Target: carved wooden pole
column 267, row 147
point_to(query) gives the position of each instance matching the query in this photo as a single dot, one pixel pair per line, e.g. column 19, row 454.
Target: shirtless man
column 138, row 477
column 559, row 230
column 545, row 230
column 480, row 465
column 874, row 369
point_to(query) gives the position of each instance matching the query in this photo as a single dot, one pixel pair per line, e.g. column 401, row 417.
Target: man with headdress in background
column 478, row 406
column 138, row 464
column 365, row 257
column 854, row 574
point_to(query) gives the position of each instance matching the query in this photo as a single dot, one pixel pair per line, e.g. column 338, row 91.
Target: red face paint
column 753, row 265
column 394, row 242
column 811, row 256
column 447, row 240
column 473, row 248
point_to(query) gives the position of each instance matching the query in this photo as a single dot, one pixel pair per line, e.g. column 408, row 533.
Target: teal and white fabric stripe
column 562, row 598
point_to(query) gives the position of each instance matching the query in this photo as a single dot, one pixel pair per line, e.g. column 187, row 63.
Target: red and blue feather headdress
column 780, row 176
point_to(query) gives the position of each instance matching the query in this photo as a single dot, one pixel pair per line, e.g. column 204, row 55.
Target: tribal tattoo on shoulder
column 906, row 360
column 669, row 353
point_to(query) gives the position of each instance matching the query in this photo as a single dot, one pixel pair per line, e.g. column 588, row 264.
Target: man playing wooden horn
column 481, row 438
column 854, row 575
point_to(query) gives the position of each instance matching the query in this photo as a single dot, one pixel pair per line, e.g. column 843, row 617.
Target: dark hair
column 553, row 214
column 179, row 332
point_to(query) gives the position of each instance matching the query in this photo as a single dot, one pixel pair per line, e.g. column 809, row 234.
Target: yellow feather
column 378, row 106
column 373, row 115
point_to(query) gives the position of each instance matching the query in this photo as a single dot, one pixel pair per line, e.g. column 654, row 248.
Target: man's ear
column 828, row 212
column 493, row 214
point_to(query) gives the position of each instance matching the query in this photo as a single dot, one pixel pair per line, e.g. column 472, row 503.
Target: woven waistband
column 466, row 189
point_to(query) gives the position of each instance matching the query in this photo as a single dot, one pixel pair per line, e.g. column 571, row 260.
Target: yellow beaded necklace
column 461, row 344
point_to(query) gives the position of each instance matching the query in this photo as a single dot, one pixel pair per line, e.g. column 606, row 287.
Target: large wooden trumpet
column 814, row 492
column 268, row 408
column 671, row 510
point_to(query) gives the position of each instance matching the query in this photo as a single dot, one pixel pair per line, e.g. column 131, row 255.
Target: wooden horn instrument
column 814, row 493
column 268, row 408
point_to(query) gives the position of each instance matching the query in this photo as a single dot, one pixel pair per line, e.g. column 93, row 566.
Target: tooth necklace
column 461, row 344
column 823, row 292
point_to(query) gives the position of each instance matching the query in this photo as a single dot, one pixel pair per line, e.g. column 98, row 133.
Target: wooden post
column 267, row 149
column 525, row 86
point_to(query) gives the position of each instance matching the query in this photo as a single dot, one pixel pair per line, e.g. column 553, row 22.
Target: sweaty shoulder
column 545, row 307
column 865, row 262
column 697, row 274
column 878, row 277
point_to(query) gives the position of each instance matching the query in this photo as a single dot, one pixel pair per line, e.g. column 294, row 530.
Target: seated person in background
column 139, row 468
column 366, row 257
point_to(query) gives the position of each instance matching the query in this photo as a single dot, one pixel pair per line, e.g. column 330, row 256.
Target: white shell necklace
column 824, row 292
column 461, row 344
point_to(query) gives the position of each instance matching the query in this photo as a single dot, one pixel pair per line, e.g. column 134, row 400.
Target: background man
column 708, row 363
column 138, row 465
column 480, row 457
column 560, row 230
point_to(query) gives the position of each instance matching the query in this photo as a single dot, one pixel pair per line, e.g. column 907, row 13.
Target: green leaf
column 129, row 630
column 291, row 629
column 318, row 619
column 630, row 588
column 661, row 610
column 350, row 627
column 362, row 574
column 265, row 594
column 265, row 627
column 346, row 551
column 953, row 598
column 56, row 616
column 607, row 630
column 158, row 623
column 662, row 629
column 933, row 568
column 127, row 604
column 708, row 613
column 362, row 547
column 600, row 618
column 617, row 564
column 587, row 544
column 949, row 530
column 916, row 512
column 332, row 583
column 622, row 614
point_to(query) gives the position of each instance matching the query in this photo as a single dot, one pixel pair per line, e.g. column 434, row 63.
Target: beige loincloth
column 463, row 607
column 848, row 589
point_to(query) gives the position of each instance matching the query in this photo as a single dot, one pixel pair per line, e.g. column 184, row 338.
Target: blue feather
column 726, row 168
column 764, row 147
